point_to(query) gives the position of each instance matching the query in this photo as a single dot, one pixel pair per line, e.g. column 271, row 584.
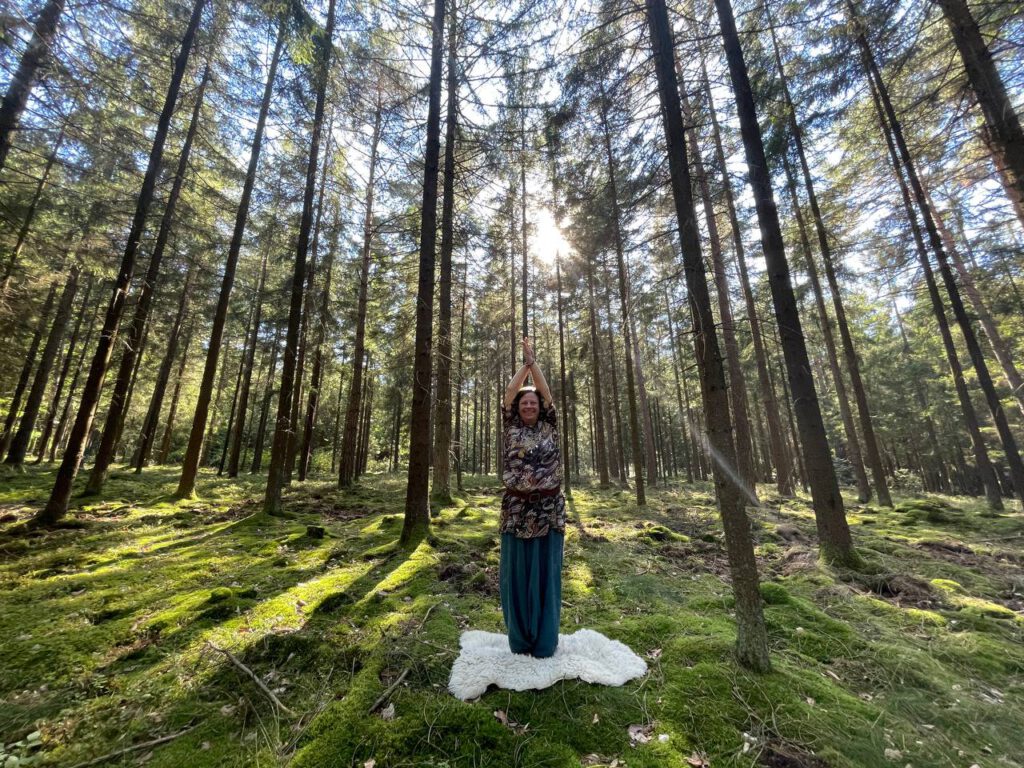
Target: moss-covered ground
column 112, row 630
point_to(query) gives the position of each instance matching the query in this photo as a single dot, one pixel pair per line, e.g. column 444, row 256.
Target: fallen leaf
column 370, row 763
column 501, row 717
column 388, row 713
column 596, row 719
column 810, row 701
column 892, row 754
column 654, row 653
column 698, row 760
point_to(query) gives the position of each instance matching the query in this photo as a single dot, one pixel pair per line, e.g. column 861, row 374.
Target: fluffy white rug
column 486, row 659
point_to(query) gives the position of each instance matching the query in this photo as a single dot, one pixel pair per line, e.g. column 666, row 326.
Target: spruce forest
column 266, row 268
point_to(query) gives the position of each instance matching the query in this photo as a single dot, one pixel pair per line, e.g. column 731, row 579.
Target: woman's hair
column 519, row 396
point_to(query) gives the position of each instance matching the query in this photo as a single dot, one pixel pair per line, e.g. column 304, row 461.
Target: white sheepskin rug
column 486, row 660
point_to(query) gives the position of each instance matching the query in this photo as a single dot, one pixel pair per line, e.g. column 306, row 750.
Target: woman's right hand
column 528, row 356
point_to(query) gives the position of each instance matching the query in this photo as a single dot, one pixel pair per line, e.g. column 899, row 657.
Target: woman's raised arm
column 515, row 385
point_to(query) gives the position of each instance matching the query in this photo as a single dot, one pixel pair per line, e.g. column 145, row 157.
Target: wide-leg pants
column 530, row 579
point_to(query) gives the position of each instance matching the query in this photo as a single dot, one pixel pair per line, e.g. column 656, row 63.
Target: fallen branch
column 384, row 696
column 253, row 676
column 134, row 748
column 426, row 616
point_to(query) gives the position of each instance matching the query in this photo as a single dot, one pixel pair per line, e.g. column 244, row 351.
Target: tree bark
column 285, row 426
column 24, row 78
column 165, row 443
column 833, row 531
column 133, row 346
column 597, row 425
column 194, row 451
column 441, row 490
column 752, row 637
column 417, row 501
column 268, row 395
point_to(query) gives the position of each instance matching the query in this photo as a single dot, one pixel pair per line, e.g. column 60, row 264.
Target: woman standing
column 532, row 514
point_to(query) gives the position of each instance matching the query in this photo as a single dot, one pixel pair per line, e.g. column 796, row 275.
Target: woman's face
column 529, row 408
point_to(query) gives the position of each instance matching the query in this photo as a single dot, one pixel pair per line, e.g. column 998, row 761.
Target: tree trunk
column 26, row 370
column 30, row 214
column 165, row 443
column 48, row 429
column 677, row 364
column 999, row 346
column 417, row 501
column 853, row 453
column 441, row 490
column 24, row 78
column 833, row 531
column 193, row 453
column 737, row 385
column 133, row 338
column 57, row 505
column 316, row 376
column 984, row 467
column 460, row 451
column 566, row 473
column 347, row 462
column 776, row 438
column 1006, row 437
column 849, row 353
column 284, row 425
column 268, row 395
column 624, row 305
column 156, row 400
column 1003, row 132
column 752, row 637
column 233, row 415
column 19, row 446
column 597, row 424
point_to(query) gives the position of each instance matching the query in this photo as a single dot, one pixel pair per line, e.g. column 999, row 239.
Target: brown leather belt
column 534, row 496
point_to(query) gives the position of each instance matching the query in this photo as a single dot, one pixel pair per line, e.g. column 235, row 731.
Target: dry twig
column 391, row 688
column 134, row 748
column 254, row 677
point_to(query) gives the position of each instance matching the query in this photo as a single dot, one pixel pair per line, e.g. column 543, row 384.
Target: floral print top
column 532, row 462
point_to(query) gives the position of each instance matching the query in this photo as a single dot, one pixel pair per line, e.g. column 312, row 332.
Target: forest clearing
column 460, row 383
column 109, row 627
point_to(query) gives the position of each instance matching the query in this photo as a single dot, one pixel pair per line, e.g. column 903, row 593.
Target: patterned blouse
column 532, row 462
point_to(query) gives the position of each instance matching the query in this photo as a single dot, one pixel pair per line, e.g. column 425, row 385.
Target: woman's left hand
column 529, row 358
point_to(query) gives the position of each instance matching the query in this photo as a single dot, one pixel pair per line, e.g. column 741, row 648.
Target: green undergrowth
column 143, row 618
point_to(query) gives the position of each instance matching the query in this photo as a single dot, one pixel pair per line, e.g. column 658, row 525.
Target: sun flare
column 547, row 240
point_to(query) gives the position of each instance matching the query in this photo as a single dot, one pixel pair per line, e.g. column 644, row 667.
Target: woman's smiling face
column 529, row 408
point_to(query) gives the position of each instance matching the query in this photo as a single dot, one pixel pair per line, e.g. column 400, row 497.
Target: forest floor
column 114, row 632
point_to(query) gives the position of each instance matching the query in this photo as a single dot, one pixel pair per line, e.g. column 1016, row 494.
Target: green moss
column 774, row 594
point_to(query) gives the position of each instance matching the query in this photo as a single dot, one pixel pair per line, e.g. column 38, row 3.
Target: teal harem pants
column 531, row 592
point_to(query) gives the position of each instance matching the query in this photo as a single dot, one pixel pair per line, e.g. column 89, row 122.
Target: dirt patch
column 898, row 588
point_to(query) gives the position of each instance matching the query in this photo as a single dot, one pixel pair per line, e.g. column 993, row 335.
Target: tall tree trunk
column 156, row 400
column 165, row 443
column 624, row 304
column 30, row 213
column 677, row 363
column 566, row 474
column 776, row 438
column 62, row 422
column 19, row 446
column 833, row 531
column 51, row 418
column 853, row 453
column 597, row 424
column 417, row 501
column 194, row 451
column 752, row 637
column 26, row 370
column 347, row 462
column 57, row 505
column 133, row 338
column 316, row 376
column 284, row 426
column 616, row 440
column 237, row 435
column 460, row 450
column 441, row 490
column 999, row 346
column 985, row 470
column 849, row 353
column 737, row 384
column 1009, row 443
column 21, row 83
column 268, row 395
column 248, row 338
column 1003, row 132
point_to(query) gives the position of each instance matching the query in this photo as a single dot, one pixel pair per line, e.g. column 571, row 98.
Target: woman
column 532, row 514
